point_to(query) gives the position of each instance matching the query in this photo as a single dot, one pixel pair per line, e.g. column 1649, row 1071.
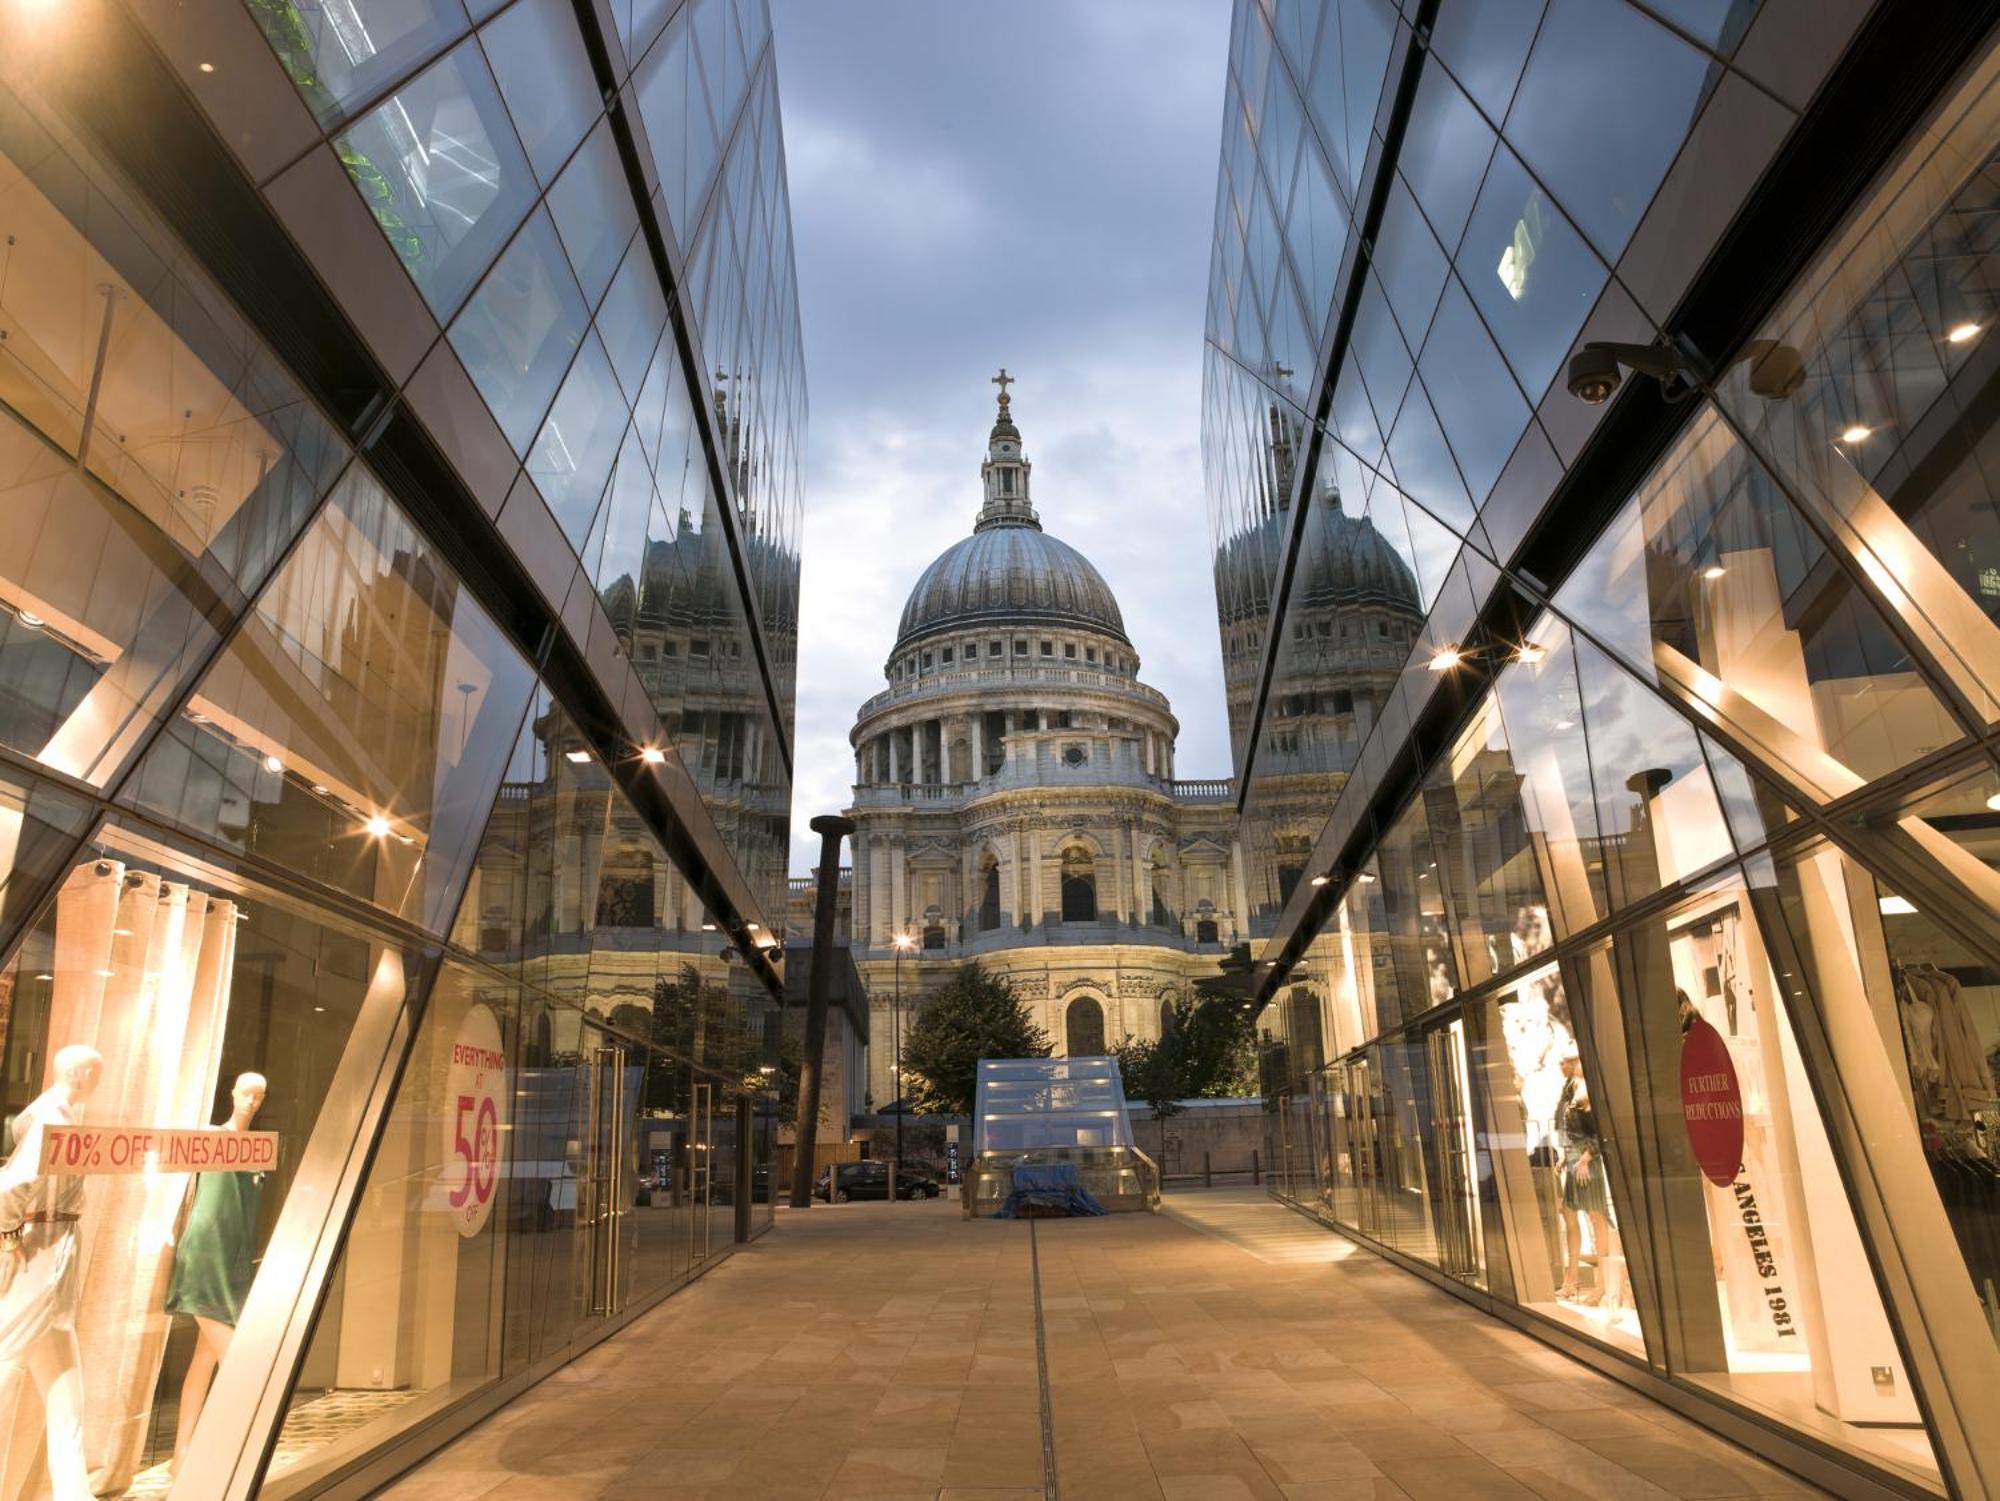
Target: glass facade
column 400, row 439
column 1621, row 782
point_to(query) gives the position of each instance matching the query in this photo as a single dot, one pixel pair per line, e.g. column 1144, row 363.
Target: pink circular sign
column 1711, row 1103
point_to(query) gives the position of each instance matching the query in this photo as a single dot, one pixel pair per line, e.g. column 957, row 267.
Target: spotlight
column 1855, row 433
column 1962, row 333
column 1446, row 658
column 31, row 620
column 206, row 67
column 376, row 826
column 1530, row 653
column 577, row 757
column 1321, row 880
column 1713, row 572
column 273, row 765
column 1993, row 802
column 652, row 755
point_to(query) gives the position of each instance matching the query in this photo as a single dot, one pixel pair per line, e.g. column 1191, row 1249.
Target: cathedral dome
column 1348, row 564
column 1007, row 574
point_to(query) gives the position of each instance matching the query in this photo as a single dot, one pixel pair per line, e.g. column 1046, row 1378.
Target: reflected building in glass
column 401, row 410
column 1618, row 767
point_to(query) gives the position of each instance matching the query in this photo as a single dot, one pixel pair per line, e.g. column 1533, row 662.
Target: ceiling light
column 1446, row 658
column 1855, row 433
column 1962, row 333
column 195, row 716
column 577, row 757
column 708, row 927
column 1366, row 877
column 376, row 826
column 1321, row 880
column 1993, row 802
column 652, row 755
column 1713, row 572
column 206, row 67
column 44, row 977
column 1896, row 906
column 273, row 764
column 319, row 787
column 1530, row 653
column 31, row 620
column 407, row 838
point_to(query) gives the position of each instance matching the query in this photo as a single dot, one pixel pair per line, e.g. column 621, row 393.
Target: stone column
column 895, row 764
column 879, row 914
column 978, row 770
column 940, row 771
column 1009, row 850
column 899, row 897
column 1034, row 877
column 1142, row 882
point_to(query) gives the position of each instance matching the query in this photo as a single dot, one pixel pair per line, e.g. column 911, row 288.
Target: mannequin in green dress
column 212, row 1260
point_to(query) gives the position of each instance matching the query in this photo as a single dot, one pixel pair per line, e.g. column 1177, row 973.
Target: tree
column 973, row 1015
column 1207, row 1050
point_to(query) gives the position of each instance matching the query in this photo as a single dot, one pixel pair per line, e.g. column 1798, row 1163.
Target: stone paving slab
column 1226, row 1350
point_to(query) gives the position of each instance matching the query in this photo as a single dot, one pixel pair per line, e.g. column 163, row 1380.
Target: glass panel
column 1412, row 909
column 1476, row 399
column 572, row 458
column 1486, row 851
column 412, row 1316
column 1604, row 105
column 1545, row 1134
column 593, row 212
column 632, row 316
column 1530, row 272
column 545, row 77
column 674, row 106
column 519, row 333
column 339, row 52
column 1445, row 149
column 356, row 728
column 161, row 994
column 1484, row 43
column 1709, row 584
column 128, row 546
column 1889, row 430
column 439, row 168
column 1404, row 1184
column 1769, row 1290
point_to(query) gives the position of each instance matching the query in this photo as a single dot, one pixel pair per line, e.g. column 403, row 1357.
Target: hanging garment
column 216, row 1261
column 1968, row 1088
column 42, row 1293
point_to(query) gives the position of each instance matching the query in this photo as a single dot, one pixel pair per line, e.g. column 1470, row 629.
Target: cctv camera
column 1593, row 374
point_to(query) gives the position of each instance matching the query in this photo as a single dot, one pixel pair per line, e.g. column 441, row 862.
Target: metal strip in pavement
column 1050, row 1490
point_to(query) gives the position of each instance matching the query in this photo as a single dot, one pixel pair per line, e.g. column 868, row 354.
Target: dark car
column 723, row 1189
column 870, row 1180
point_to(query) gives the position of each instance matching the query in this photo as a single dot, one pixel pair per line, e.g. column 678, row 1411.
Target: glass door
column 1460, row 1251
column 701, row 1170
column 608, row 1181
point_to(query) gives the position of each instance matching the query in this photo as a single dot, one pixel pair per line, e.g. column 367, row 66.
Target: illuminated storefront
column 1622, row 781
column 396, row 643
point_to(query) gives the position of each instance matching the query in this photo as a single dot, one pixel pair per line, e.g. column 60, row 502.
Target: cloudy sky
column 975, row 185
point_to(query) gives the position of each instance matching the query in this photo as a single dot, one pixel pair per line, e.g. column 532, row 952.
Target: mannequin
column 215, row 1262
column 39, row 1274
column 1584, row 1191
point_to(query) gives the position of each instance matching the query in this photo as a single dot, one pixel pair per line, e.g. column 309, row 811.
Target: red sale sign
column 475, row 1109
column 1711, row 1103
column 74, row 1151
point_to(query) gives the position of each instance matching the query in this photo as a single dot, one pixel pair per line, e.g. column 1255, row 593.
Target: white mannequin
column 211, row 1337
column 39, row 1275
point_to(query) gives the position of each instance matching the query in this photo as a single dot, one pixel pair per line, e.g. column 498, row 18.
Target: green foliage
column 974, row 1015
column 696, row 1021
column 1207, row 1050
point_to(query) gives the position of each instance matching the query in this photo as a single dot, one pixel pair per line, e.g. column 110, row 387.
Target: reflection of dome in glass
column 1348, row 564
column 1010, row 572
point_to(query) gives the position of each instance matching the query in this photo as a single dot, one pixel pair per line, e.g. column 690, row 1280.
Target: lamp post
column 903, row 943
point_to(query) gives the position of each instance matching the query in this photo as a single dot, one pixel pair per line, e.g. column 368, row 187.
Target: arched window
column 1079, row 885
column 989, row 895
column 1083, row 1028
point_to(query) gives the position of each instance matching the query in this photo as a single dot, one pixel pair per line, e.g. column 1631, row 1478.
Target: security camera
column 1593, row 374
column 1594, row 370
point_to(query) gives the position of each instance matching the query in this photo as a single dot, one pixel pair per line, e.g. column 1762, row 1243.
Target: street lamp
column 903, row 944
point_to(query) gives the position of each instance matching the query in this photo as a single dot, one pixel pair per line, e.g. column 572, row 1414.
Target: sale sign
column 475, row 1111
column 75, row 1151
column 1711, row 1103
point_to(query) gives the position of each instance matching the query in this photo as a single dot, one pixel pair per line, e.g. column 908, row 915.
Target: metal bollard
column 1207, row 1176
column 1256, row 1170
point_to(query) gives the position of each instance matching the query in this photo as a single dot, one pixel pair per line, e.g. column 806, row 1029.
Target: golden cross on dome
column 1003, row 380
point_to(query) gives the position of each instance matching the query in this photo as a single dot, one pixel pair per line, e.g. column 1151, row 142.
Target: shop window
column 160, row 992
column 1772, row 1297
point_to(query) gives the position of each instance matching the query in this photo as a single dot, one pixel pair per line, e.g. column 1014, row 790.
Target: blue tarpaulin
column 1050, row 1188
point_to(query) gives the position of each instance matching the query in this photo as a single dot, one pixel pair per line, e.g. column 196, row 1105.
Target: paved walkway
column 1225, row 1350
